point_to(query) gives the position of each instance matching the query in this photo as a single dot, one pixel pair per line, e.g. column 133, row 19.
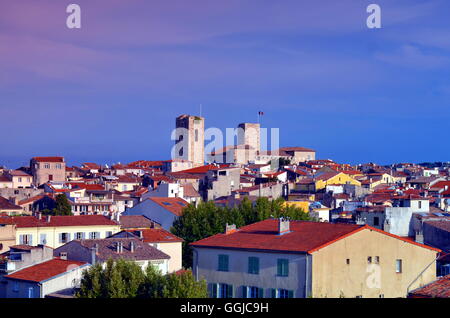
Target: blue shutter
column 60, row 238
column 31, row 240
column 83, row 235
column 21, row 239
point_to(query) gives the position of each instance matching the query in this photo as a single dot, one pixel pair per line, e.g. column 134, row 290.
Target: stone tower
column 190, row 139
column 249, row 134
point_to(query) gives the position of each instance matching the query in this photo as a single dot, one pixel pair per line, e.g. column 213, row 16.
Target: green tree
column 126, row 279
column 119, row 279
column 62, row 206
column 207, row 219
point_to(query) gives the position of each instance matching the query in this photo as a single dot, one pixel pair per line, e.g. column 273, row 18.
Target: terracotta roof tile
column 45, row 270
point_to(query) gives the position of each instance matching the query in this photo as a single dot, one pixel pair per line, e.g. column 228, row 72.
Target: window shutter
column 244, row 292
column 68, row 237
column 97, row 235
column 83, row 235
column 21, row 239
column 273, row 292
column 291, row 294
column 279, row 270
column 213, row 290
column 30, row 242
column 60, row 238
column 260, row 293
column 230, row 291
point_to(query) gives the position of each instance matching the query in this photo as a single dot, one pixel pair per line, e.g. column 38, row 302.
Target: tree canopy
column 207, row 219
column 126, row 279
column 62, row 206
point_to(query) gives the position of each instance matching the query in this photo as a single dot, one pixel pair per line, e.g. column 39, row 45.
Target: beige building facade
column 190, row 139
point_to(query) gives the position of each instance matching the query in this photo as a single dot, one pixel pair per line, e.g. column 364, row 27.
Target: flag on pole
column 260, row 113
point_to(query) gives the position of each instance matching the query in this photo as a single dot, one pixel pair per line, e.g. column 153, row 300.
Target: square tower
column 249, row 134
column 190, row 139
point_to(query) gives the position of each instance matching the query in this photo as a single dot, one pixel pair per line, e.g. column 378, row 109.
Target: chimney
column 132, row 247
column 419, row 237
column 93, row 255
column 63, row 255
column 119, row 247
column 283, row 226
column 230, row 228
column 48, row 218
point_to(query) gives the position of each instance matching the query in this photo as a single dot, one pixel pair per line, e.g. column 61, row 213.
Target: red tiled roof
column 6, row 205
column 173, row 205
column 437, row 289
column 158, row 235
column 49, row 159
column 204, row 169
column 45, row 270
column 72, row 220
column 304, row 237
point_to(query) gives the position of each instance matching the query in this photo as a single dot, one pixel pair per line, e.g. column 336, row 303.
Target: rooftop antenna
column 200, row 110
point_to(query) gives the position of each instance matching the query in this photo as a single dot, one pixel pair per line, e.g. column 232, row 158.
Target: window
column 376, row 221
column 253, row 265
column 420, row 204
column 398, row 266
column 369, row 260
column 348, row 261
column 282, row 293
column 225, row 291
column 223, row 263
column 64, row 237
column 47, row 166
column 20, row 179
column 43, row 239
column 222, row 173
column 58, row 166
column 79, row 236
column 94, row 235
column 108, row 233
column 26, row 239
column 282, row 267
column 254, row 292
column 377, row 260
column 220, row 290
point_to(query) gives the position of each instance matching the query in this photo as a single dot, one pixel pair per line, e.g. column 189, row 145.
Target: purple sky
column 111, row 91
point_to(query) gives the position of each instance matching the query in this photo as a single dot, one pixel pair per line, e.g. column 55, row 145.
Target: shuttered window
column 223, row 263
column 253, row 265
column 282, row 267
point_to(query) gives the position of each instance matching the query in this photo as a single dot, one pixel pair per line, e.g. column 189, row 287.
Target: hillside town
column 365, row 231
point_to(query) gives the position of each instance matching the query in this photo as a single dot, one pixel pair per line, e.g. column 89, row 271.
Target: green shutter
column 213, row 290
column 244, row 291
column 223, row 263
column 273, row 293
column 230, row 291
column 282, row 267
column 253, row 265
